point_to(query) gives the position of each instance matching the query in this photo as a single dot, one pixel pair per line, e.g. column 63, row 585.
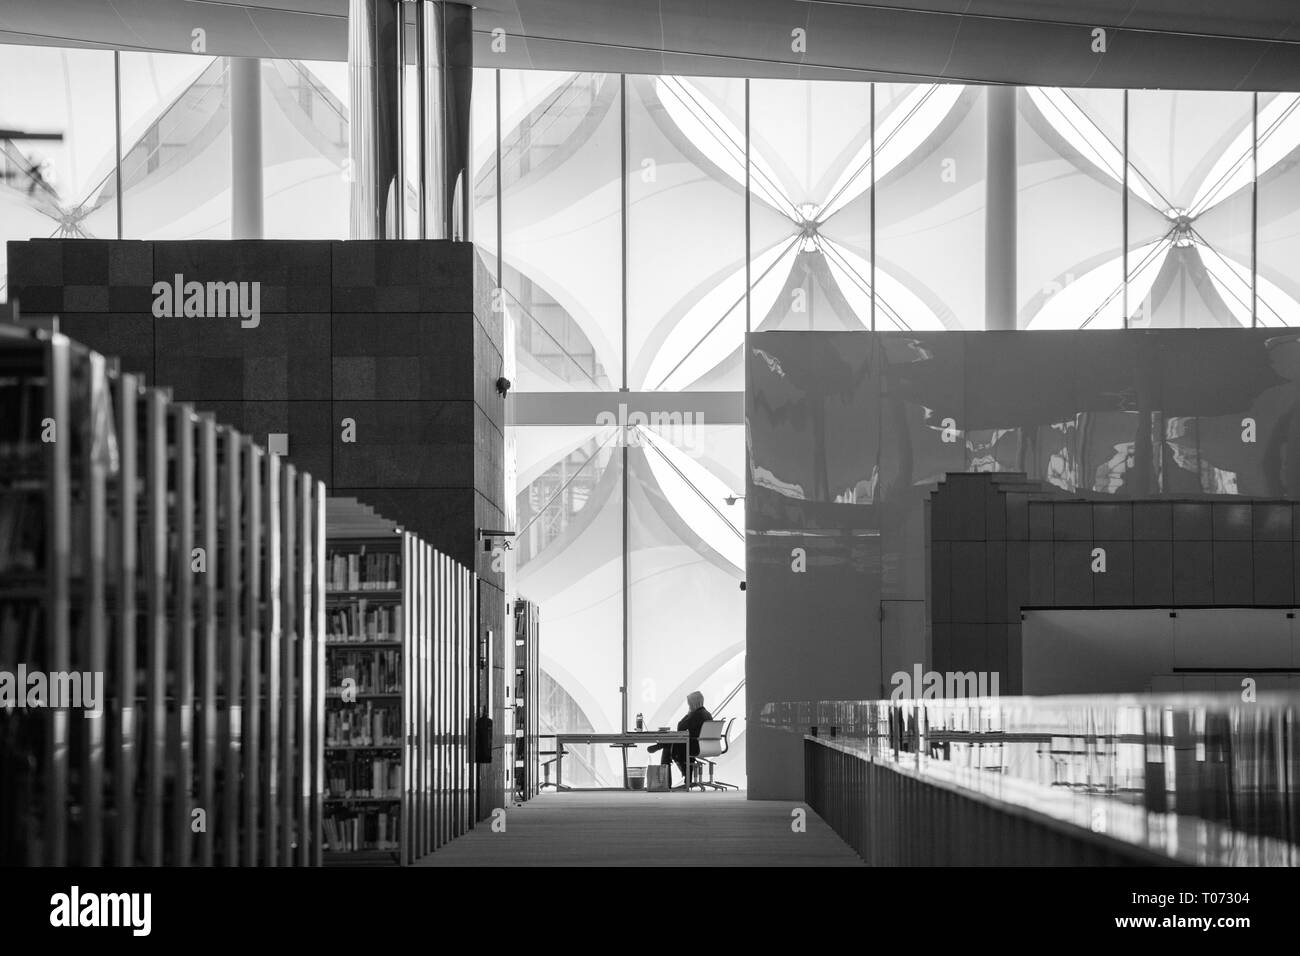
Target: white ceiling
column 1175, row 44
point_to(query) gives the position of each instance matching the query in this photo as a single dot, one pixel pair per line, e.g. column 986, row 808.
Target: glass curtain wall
column 82, row 128
column 647, row 222
column 638, row 226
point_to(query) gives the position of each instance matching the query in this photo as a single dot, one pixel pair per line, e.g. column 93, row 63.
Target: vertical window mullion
column 117, row 137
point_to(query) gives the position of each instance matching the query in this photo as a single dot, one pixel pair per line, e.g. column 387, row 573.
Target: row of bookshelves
column 525, row 666
column 429, row 716
column 180, row 568
column 184, row 569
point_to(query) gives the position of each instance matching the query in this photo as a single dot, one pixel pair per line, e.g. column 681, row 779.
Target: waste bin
column 636, row 778
column 659, row 777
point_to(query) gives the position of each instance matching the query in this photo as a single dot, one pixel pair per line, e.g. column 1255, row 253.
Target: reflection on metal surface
column 1200, row 779
column 852, row 432
column 444, row 74
column 1125, row 413
column 382, row 118
column 374, row 128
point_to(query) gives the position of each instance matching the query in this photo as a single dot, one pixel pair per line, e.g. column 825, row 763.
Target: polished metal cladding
column 849, row 434
column 444, row 70
column 382, row 39
column 374, row 129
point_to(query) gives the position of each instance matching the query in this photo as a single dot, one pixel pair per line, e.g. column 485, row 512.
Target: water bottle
column 640, row 722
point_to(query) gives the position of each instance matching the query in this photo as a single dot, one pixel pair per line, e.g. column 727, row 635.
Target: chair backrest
column 726, row 736
column 710, row 739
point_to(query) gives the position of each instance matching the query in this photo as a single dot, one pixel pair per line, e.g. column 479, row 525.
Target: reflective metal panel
column 254, row 484
column 849, row 433
column 374, row 137
column 207, row 731
column 180, row 730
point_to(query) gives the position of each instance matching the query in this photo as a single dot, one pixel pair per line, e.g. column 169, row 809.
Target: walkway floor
column 635, row 828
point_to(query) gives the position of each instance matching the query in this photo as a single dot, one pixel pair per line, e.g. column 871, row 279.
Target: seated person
column 695, row 717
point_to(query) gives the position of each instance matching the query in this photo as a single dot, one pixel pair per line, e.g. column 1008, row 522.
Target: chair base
column 710, row 783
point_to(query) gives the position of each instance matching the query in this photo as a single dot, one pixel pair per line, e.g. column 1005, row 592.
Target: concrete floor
column 636, row 828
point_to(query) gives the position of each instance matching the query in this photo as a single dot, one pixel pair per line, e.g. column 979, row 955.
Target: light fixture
column 732, row 499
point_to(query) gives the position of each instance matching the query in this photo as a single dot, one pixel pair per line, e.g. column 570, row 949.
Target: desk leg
column 559, row 765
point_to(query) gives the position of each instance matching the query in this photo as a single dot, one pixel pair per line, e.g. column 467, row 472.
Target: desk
column 630, row 738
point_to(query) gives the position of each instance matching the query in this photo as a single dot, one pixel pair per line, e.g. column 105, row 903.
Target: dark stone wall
column 397, row 335
column 1000, row 543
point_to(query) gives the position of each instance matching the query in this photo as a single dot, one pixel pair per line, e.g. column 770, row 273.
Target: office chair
column 714, row 741
column 545, row 765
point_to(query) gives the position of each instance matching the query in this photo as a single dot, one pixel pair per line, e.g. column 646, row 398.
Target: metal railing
column 1199, row 779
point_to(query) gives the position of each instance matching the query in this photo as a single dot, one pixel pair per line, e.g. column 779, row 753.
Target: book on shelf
column 363, row 777
column 369, row 829
column 364, row 737
column 372, row 672
column 362, row 570
column 22, row 532
column 362, row 623
column 22, row 405
column 367, row 724
column 22, row 633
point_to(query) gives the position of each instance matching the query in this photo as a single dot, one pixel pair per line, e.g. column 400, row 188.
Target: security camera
column 503, row 386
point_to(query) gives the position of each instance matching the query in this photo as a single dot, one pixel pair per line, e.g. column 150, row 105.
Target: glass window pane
column 483, row 166
column 930, row 160
column 562, row 227
column 1189, row 209
column 686, row 232
column 176, row 172
column 569, row 559
column 810, row 188
column 1277, row 280
column 686, row 553
column 56, row 187
column 1070, row 171
column 304, row 151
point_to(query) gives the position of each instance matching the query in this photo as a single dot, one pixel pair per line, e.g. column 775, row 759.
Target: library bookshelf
column 144, row 545
column 526, row 671
column 399, row 696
